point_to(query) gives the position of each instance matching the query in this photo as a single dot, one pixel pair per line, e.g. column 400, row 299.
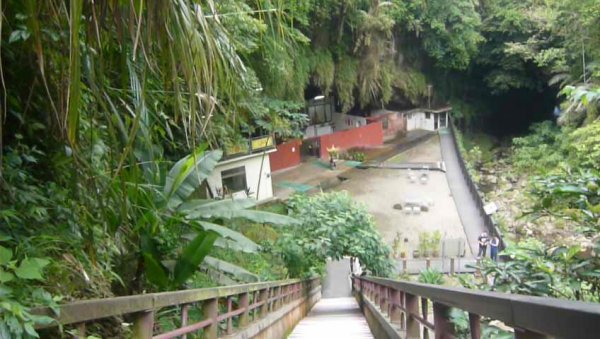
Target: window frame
column 232, row 173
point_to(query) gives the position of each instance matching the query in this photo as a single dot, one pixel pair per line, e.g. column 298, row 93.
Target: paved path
column 472, row 221
column 333, row 318
column 337, row 315
column 336, row 283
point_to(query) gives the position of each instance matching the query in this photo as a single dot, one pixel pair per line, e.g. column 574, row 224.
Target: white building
column 245, row 175
column 427, row 119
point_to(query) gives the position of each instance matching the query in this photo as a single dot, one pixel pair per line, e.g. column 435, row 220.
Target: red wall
column 284, row 157
column 396, row 123
column 364, row 136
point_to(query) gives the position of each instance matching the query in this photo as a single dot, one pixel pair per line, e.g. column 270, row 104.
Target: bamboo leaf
column 74, row 97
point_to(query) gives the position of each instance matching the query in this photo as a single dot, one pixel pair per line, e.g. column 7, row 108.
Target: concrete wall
column 365, row 136
column 346, row 121
column 252, row 163
column 280, row 323
column 287, row 155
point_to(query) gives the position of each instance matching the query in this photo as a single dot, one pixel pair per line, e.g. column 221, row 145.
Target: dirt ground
column 381, row 189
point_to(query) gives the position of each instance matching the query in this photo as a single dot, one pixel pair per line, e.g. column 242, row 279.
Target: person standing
column 483, row 243
column 494, row 248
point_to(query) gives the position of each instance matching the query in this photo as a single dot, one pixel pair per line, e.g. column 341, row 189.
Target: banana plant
column 198, row 217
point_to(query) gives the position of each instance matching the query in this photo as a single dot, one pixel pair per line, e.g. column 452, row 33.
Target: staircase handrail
column 261, row 297
column 530, row 316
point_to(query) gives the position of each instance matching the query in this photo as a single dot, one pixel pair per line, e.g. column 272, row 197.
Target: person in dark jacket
column 482, row 240
column 494, row 243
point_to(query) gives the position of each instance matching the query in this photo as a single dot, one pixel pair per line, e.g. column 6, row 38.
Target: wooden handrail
column 263, row 297
column 528, row 315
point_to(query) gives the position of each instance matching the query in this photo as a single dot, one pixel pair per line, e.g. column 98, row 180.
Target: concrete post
column 263, row 296
column 442, row 325
column 244, row 302
column 184, row 317
column 412, row 324
column 210, row 310
column 395, row 313
column 143, row 325
column 475, row 325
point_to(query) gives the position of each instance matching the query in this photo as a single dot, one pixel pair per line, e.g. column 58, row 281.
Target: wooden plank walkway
column 333, row 318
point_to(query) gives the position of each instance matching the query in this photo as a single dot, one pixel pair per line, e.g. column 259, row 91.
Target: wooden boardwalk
column 333, row 318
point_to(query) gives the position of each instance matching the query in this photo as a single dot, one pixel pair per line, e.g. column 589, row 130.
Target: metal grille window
column 234, row 180
column 428, row 115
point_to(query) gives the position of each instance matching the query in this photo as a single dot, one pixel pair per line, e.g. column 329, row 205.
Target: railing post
column 210, row 310
column 230, row 318
column 184, row 317
column 412, row 309
column 395, row 313
column 404, row 265
column 428, row 263
column 263, row 296
column 475, row 325
column 383, row 300
column 452, row 269
column 442, row 325
column 80, row 331
column 244, row 303
column 143, row 325
column 424, row 315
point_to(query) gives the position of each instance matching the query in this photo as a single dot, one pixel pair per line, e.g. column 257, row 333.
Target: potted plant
column 424, row 244
column 436, row 237
column 416, row 254
column 397, row 246
column 403, row 252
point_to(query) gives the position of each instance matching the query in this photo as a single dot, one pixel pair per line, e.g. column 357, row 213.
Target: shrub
column 431, row 276
column 333, row 226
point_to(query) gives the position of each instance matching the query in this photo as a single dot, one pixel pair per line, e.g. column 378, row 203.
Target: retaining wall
column 287, row 155
column 364, row 136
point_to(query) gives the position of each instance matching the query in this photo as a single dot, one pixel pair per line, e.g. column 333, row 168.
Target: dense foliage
column 333, row 226
column 112, row 112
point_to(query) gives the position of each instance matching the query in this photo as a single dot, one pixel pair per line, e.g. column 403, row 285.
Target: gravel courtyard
column 381, row 189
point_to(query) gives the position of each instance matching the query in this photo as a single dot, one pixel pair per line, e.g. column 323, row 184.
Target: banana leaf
column 193, row 255
column 238, row 240
column 231, row 209
column 187, row 175
column 237, row 272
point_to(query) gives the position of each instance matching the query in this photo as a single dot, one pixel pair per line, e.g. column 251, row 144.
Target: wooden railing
column 245, row 303
column 404, row 311
column 490, row 225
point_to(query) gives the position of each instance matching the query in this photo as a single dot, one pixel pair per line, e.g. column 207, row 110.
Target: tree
column 333, row 226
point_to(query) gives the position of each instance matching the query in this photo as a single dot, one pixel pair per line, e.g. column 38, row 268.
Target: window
column 427, row 115
column 234, row 180
column 385, row 123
